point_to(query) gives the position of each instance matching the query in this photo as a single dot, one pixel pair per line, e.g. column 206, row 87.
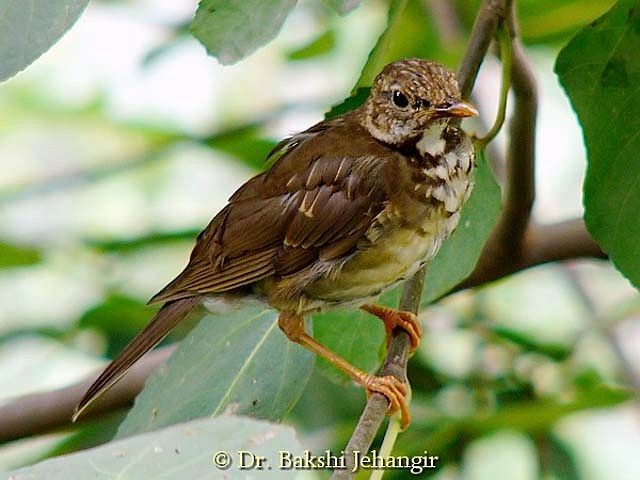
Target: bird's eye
column 399, row 99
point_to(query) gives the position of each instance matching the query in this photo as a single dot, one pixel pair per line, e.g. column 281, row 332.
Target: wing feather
column 314, row 203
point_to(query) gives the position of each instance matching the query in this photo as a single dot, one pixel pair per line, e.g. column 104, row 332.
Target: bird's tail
column 162, row 323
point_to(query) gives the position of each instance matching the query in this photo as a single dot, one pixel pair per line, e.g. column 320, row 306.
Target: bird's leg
column 293, row 327
column 392, row 318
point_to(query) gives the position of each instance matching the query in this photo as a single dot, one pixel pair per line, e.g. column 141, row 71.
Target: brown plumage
column 349, row 207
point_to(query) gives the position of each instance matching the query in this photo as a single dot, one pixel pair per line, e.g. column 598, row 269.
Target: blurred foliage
column 481, row 370
column 545, row 22
column 124, row 245
column 411, row 32
column 556, row 459
column 119, row 318
column 17, row 255
column 244, row 143
column 321, row 45
column 343, row 6
column 354, row 101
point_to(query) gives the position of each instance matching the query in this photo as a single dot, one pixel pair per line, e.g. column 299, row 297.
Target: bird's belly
column 396, row 255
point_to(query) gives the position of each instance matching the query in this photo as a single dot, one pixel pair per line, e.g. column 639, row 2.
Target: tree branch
column 395, row 364
column 491, row 13
column 41, row 412
column 542, row 244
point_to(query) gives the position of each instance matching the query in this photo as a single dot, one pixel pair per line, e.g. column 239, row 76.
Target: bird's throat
column 433, row 142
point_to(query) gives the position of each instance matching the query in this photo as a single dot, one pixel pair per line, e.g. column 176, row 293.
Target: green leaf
column 232, row 29
column 125, row 245
column 343, row 6
column 28, row 28
column 459, row 254
column 539, row 415
column 557, row 460
column 89, row 434
column 236, row 362
column 17, row 255
column 354, row 335
column 545, row 21
column 321, row 45
column 244, row 144
column 410, row 32
column 351, row 103
column 600, row 70
column 557, row 351
column 325, row 402
column 181, row 452
column 381, row 53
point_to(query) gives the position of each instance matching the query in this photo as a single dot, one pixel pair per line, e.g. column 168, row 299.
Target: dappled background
column 121, row 142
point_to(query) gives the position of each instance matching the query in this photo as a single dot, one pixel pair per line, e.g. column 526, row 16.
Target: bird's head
column 407, row 96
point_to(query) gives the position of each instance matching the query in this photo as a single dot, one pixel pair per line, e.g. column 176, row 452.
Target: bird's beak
column 459, row 109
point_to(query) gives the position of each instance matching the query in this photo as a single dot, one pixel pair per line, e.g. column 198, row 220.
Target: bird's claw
column 392, row 318
column 396, row 393
column 408, row 321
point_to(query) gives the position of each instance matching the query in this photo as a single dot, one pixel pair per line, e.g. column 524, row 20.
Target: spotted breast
column 409, row 231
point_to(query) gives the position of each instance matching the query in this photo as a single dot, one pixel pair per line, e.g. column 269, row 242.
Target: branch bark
column 41, row 412
column 491, row 13
column 542, row 244
column 395, row 364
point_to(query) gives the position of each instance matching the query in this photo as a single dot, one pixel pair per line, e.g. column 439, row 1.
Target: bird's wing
column 316, row 202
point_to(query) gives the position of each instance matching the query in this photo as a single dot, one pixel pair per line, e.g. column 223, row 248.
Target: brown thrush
column 350, row 207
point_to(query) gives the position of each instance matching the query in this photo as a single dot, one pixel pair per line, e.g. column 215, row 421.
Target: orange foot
column 394, row 390
column 392, row 318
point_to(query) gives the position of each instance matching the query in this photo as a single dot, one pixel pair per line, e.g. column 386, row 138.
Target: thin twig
column 447, row 24
column 508, row 238
column 506, row 56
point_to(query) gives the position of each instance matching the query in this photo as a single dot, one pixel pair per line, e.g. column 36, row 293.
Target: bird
column 348, row 209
